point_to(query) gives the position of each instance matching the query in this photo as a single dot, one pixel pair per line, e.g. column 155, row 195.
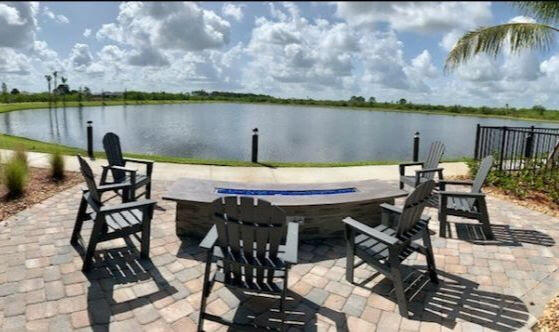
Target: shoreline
column 45, row 105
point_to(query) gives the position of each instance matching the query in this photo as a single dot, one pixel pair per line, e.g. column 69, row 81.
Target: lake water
column 224, row 131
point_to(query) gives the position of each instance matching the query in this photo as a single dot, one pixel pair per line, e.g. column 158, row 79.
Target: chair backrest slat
column 413, row 207
column 251, row 230
column 95, row 198
column 482, row 172
column 436, row 151
column 111, row 144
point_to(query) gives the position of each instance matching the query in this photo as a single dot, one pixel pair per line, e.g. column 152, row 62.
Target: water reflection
column 223, row 131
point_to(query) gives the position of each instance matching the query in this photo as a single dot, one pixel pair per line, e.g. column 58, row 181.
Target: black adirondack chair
column 246, row 243
column 429, row 167
column 121, row 173
column 110, row 221
column 466, row 204
column 386, row 246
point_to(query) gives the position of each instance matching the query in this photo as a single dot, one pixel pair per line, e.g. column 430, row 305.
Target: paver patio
column 498, row 285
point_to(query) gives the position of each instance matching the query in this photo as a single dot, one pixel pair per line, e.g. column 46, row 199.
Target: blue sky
column 320, row 50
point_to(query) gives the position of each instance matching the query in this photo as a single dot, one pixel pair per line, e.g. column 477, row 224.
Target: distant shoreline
column 40, row 105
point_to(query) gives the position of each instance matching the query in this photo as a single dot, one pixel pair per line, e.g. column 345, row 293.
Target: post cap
column 417, row 133
column 89, row 122
column 255, row 130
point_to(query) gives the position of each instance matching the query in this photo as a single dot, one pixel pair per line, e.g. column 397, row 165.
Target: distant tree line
column 131, row 96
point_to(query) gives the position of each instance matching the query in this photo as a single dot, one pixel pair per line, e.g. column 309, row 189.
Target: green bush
column 533, row 177
column 15, row 177
column 57, row 166
column 21, row 155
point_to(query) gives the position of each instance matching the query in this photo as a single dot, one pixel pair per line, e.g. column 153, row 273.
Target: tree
column 372, row 100
column 357, row 99
column 64, row 89
column 539, row 108
column 5, row 92
column 55, row 75
column 402, row 101
column 515, row 36
column 48, row 78
column 14, row 91
column 80, row 97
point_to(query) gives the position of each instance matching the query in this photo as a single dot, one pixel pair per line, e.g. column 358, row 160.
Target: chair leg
column 282, row 303
column 484, row 219
column 146, row 232
column 80, row 217
column 350, row 254
column 401, row 185
column 205, row 291
column 442, row 223
column 431, row 267
column 399, row 289
column 93, row 240
column 148, row 189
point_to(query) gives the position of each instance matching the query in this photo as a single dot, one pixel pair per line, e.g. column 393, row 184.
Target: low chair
column 386, row 246
column 110, row 221
column 466, row 204
column 429, row 167
column 253, row 247
column 121, row 173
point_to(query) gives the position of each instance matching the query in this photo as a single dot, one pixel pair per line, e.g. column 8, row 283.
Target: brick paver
column 484, row 285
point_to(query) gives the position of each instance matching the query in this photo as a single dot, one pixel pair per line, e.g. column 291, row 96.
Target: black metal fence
column 519, row 148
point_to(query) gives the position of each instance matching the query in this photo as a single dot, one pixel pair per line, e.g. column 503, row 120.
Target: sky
column 326, row 50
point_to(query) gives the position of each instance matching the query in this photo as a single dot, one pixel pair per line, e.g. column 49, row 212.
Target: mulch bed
column 549, row 321
column 535, row 200
column 39, row 187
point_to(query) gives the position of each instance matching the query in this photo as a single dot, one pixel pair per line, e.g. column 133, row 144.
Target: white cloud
column 422, row 17
column 167, row 25
column 148, row 57
column 87, row 33
column 59, row 18
column 14, row 63
column 18, row 23
column 80, row 57
column 234, row 11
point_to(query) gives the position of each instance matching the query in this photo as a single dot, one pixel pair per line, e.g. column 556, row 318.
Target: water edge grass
column 10, row 142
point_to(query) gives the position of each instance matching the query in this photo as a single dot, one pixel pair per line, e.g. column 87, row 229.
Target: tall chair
column 429, row 167
column 253, row 251
column 386, row 246
column 110, row 221
column 466, row 204
column 121, row 173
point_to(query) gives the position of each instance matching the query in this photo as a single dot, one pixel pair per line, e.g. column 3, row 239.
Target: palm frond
column 542, row 11
column 492, row 39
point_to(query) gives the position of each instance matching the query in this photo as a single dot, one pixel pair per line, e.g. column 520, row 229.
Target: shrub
column 15, row 177
column 21, row 155
column 57, row 166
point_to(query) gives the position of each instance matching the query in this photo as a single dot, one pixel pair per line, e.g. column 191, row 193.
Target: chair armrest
column 148, row 163
column 110, row 187
column 403, row 166
column 391, row 208
column 138, row 161
column 429, row 170
column 384, row 238
column 410, row 163
column 128, row 206
column 210, row 239
column 457, row 182
column 291, row 247
column 120, row 168
column 461, row 194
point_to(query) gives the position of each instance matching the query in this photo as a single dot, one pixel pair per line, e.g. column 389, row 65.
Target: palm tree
column 48, row 78
column 64, row 79
column 55, row 75
column 516, row 36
